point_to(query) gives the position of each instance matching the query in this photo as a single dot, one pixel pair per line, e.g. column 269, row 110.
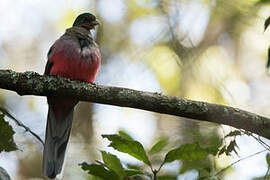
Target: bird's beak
column 94, row 23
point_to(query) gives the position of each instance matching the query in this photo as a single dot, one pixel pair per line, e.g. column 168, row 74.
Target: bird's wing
column 49, row 64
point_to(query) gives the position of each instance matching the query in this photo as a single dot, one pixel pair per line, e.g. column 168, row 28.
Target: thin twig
column 239, row 161
column 19, row 123
column 161, row 166
column 258, row 139
column 155, row 174
column 261, row 142
column 265, row 176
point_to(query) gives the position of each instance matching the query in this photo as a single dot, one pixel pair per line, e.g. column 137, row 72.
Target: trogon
column 74, row 55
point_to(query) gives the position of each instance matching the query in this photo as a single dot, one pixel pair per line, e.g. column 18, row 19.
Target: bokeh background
column 209, row 50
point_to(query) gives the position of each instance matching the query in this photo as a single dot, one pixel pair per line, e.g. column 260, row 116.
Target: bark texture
column 31, row 83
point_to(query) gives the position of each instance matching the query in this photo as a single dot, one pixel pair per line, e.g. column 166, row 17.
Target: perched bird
column 74, row 55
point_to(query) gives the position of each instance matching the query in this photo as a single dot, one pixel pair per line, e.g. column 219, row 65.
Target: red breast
column 70, row 61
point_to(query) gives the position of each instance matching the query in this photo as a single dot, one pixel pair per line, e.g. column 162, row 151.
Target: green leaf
column 208, row 178
column 266, row 23
column 133, row 166
column 203, row 178
column 234, row 133
column 131, row 147
column 268, row 159
column 189, row 152
column 264, row 177
column 231, row 148
column 96, row 178
column 99, row 171
column 125, row 135
column 6, row 136
column 268, row 58
column 136, row 169
column 223, row 149
column 159, row 146
column 113, row 163
column 132, row 172
column 202, row 166
column 167, row 177
column 262, row 2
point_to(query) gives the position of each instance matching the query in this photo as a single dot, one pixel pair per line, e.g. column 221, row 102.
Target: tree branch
column 19, row 123
column 31, row 83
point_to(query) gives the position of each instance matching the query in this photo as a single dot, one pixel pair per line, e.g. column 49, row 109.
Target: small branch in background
column 19, row 123
column 258, row 139
column 265, row 176
column 155, row 174
column 222, row 170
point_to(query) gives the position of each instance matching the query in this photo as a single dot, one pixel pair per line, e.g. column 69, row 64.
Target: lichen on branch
column 31, row 83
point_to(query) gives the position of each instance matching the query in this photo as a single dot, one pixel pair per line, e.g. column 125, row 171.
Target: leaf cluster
column 112, row 168
column 7, row 143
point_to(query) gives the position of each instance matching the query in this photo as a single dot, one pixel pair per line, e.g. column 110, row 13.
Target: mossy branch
column 31, row 83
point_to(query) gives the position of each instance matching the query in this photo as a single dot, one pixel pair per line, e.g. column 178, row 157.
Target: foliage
column 114, row 164
column 6, row 136
column 263, row 2
column 190, row 152
column 112, row 167
column 266, row 176
column 98, row 170
column 268, row 159
column 125, row 135
column 266, row 23
column 268, row 58
column 234, row 133
column 228, row 149
column 159, row 146
column 181, row 69
column 133, row 148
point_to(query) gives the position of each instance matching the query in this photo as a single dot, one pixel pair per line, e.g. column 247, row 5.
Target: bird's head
column 86, row 20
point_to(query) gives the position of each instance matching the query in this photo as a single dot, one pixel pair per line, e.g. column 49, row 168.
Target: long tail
column 57, row 135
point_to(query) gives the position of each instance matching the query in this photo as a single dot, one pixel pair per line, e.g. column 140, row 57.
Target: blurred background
column 207, row 50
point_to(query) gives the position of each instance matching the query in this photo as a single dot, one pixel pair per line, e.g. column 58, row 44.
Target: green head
column 86, row 20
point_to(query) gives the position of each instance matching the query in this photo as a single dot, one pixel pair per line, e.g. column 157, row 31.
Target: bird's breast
column 72, row 61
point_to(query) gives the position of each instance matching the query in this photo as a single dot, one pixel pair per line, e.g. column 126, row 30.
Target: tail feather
column 56, row 140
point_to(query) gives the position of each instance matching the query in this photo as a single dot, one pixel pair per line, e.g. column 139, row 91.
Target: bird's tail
column 57, row 135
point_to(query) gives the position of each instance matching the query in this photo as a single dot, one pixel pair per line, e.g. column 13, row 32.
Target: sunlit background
column 208, row 50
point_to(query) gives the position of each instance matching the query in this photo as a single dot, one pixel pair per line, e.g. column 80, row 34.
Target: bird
column 75, row 55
